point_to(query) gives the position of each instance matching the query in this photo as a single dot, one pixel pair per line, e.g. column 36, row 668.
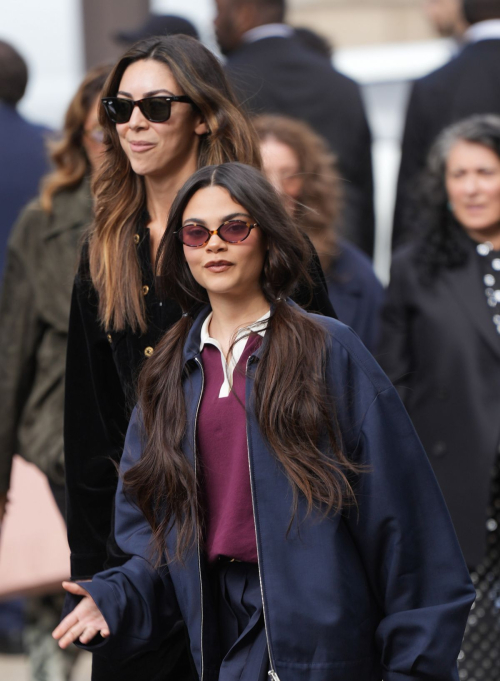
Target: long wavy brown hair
column 290, row 395
column 120, row 193
column 319, row 203
column 68, row 153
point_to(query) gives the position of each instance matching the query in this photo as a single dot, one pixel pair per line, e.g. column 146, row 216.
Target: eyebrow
column 151, row 93
column 200, row 221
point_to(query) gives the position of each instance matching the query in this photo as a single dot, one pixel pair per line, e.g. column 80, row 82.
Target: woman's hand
column 83, row 623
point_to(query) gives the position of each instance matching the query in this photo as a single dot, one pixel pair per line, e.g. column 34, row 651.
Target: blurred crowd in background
column 434, row 328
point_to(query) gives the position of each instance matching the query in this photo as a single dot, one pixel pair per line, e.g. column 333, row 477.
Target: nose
column 471, row 184
column 137, row 119
column 215, row 244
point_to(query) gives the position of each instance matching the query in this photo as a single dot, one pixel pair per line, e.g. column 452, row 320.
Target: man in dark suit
column 469, row 84
column 23, row 160
column 274, row 72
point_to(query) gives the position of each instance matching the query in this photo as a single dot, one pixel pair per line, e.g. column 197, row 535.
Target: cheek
column 121, row 132
column 493, row 190
column 256, row 257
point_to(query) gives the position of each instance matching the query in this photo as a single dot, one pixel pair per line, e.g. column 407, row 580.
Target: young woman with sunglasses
column 167, row 110
column 273, row 492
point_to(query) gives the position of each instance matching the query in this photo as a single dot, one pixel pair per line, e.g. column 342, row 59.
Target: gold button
column 148, row 351
column 137, row 238
column 145, row 290
column 110, row 338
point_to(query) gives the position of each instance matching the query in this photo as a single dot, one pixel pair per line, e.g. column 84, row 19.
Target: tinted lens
column 156, row 109
column 193, row 235
column 234, row 231
column 118, row 110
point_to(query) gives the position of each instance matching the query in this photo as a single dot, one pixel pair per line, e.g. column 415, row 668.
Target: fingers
column 72, row 634
column 66, row 624
column 83, row 623
column 74, row 588
column 87, row 635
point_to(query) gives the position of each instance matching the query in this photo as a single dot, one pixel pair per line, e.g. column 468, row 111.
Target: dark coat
column 380, row 591
column 42, row 259
column 281, row 76
column 23, row 161
column 467, row 85
column 440, row 346
column 101, row 372
column 355, row 292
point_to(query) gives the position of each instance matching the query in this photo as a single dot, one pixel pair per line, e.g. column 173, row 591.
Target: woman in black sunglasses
column 167, row 110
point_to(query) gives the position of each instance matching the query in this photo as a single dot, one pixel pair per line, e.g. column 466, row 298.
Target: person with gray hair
column 467, row 85
column 23, row 160
column 440, row 345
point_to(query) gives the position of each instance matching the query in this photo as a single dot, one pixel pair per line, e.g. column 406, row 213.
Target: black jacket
column 355, row 292
column 281, row 76
column 469, row 84
column 440, row 346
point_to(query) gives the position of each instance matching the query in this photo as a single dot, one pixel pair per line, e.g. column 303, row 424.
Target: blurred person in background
column 440, row 344
column 34, row 314
column 467, row 85
column 158, row 24
column 304, row 171
column 447, row 18
column 23, row 159
column 167, row 110
column 273, row 72
column 314, row 41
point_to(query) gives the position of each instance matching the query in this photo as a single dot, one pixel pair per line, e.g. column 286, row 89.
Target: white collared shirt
column 483, row 30
column 241, row 338
column 267, row 31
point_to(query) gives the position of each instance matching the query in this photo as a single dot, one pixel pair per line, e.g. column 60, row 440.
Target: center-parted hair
column 290, row 396
column 120, row 193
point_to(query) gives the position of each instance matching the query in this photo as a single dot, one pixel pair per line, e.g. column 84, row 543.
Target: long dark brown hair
column 120, row 193
column 290, row 395
column 68, row 153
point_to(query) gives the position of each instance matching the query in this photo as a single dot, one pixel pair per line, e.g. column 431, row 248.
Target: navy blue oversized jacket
column 381, row 591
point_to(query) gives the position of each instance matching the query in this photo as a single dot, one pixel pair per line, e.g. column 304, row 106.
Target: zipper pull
column 273, row 676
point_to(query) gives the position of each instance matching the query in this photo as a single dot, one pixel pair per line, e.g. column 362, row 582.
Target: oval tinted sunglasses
column 155, row 109
column 232, row 231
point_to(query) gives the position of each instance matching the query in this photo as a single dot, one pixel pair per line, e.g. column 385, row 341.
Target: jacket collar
column 193, row 341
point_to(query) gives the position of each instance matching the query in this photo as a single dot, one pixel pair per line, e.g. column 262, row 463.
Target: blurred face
column 93, row 137
column 228, row 25
column 473, row 187
column 224, row 269
column 158, row 149
column 446, row 17
column 282, row 168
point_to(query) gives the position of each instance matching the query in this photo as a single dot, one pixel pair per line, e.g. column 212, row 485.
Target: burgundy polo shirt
column 223, row 455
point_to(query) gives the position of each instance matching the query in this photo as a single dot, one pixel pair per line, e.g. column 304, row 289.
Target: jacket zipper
column 198, row 540
column 272, row 673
